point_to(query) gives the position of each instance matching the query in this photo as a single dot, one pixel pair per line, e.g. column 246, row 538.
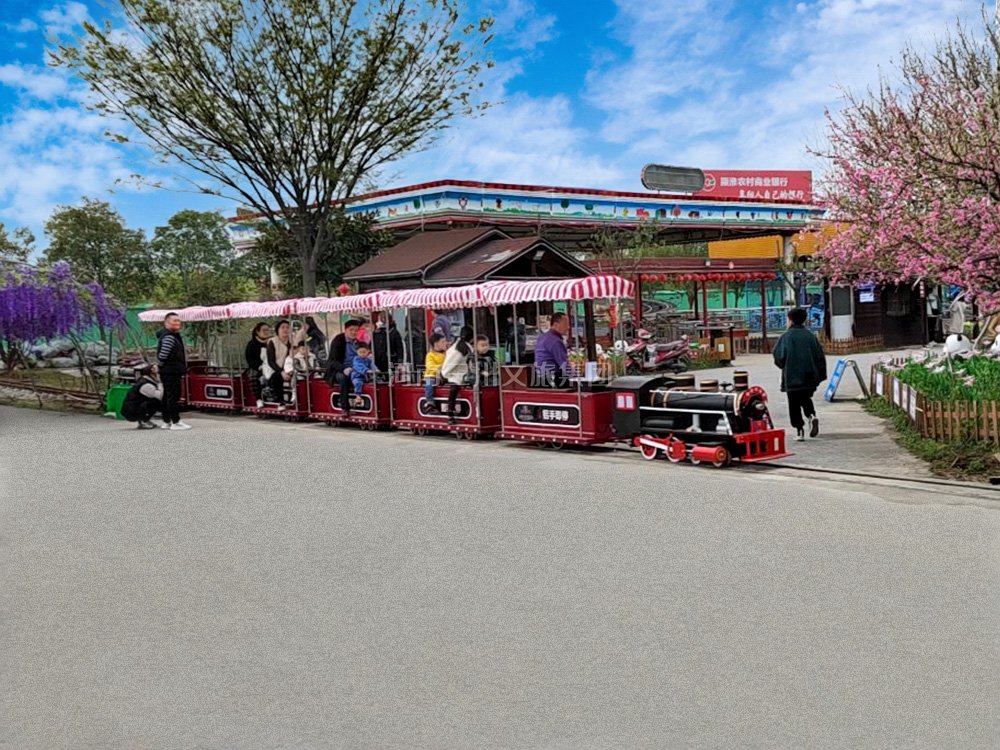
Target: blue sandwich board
column 838, row 374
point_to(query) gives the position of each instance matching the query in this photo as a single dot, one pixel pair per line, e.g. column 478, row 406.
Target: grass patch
column 966, row 460
column 30, row 402
column 50, row 378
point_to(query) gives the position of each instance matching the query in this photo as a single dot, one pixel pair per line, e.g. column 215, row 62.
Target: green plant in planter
column 977, row 379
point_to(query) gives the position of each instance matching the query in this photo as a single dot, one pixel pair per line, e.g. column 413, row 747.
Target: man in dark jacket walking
column 173, row 365
column 803, row 367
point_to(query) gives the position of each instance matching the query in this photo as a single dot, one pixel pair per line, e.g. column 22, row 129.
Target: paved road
column 850, row 438
column 250, row 584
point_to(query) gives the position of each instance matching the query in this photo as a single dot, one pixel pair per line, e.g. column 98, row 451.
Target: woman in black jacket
column 254, row 355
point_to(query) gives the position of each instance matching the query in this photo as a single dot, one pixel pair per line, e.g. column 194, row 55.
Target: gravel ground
column 252, row 584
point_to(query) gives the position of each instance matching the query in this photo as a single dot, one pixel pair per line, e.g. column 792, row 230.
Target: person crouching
column 145, row 397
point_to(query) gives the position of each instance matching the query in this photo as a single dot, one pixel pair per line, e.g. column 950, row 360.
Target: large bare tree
column 286, row 106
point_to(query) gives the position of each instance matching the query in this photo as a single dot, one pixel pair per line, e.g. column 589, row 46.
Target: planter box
column 941, row 421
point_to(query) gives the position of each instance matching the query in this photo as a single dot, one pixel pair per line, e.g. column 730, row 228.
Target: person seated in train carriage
column 364, row 334
column 338, row 368
column 432, row 368
column 442, row 325
column 316, row 339
column 298, row 365
column 254, row 354
column 362, row 370
column 455, row 369
column 387, row 346
column 279, row 349
column 302, row 361
column 418, row 342
column 516, row 339
column 552, row 368
column 486, row 363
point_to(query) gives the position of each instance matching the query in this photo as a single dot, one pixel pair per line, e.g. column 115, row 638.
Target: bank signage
column 758, row 185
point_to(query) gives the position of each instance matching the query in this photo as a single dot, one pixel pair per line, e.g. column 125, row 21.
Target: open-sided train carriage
column 477, row 406
column 579, row 414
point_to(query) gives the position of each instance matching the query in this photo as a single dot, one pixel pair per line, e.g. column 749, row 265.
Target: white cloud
column 519, row 26
column 23, row 26
column 35, row 81
column 63, row 19
column 701, row 88
column 524, row 139
column 52, row 156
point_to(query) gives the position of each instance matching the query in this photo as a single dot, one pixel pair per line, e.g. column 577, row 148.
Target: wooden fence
column 943, row 421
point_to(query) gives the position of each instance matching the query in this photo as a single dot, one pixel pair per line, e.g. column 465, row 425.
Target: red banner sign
column 769, row 185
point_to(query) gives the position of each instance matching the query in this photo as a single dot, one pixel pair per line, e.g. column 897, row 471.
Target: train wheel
column 722, row 458
column 649, row 452
column 676, row 452
column 558, row 446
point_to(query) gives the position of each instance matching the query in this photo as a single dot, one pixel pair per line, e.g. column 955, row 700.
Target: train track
column 67, row 393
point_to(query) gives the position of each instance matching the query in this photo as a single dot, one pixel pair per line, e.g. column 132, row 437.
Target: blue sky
column 591, row 89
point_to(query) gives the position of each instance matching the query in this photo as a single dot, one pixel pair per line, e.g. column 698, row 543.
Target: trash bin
column 115, row 398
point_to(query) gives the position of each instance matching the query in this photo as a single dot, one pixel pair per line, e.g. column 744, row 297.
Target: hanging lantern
column 344, row 289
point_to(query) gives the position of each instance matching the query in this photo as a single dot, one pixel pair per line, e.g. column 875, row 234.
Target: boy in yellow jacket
column 432, row 367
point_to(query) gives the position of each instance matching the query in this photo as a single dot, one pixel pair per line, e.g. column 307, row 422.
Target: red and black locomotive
column 661, row 415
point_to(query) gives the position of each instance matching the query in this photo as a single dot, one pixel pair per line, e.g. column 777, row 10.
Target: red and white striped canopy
column 448, row 297
column 474, row 295
column 589, row 287
column 188, row 314
column 350, row 303
column 275, row 309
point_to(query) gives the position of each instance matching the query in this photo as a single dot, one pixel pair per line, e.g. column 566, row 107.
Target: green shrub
column 946, row 386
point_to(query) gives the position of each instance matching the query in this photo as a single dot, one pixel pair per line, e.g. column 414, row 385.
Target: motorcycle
column 642, row 355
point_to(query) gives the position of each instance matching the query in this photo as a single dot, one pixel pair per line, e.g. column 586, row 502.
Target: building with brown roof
column 464, row 256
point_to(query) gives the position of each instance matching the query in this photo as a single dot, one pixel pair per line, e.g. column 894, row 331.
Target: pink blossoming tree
column 915, row 172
